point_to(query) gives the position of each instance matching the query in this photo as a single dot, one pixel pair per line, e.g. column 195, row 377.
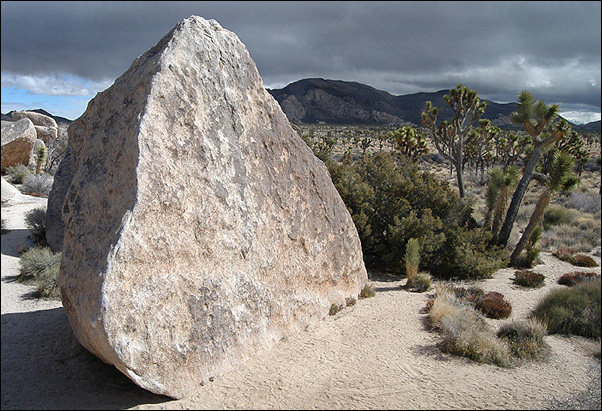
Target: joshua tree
column 41, row 156
column 409, row 142
column 449, row 136
column 501, row 182
column 560, row 178
column 537, row 119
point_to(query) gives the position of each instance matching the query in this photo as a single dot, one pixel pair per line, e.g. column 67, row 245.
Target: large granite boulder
column 18, row 139
column 199, row 228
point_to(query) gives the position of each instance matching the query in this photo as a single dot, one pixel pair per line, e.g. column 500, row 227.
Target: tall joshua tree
column 449, row 136
column 560, row 178
column 538, row 120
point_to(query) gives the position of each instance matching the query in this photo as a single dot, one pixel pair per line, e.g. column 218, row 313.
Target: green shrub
column 16, row 174
column 37, row 184
column 421, row 282
column 35, row 221
column 574, row 310
column 525, row 338
column 412, row 260
column 528, row 278
column 391, row 201
column 556, row 215
column 47, row 283
column 572, row 278
column 367, row 292
column 40, row 266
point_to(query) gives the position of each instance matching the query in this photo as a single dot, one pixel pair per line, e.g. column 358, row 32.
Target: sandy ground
column 378, row 353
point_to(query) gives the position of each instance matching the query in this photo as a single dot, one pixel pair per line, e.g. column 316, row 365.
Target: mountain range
column 317, row 100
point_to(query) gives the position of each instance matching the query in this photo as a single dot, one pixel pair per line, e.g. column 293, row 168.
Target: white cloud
column 581, row 117
column 51, row 85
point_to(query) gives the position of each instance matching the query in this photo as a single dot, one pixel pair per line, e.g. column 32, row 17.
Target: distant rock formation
column 18, row 139
column 46, row 128
column 199, row 227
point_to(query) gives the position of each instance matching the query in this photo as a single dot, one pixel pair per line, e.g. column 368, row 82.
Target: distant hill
column 316, row 100
column 593, row 127
column 61, row 121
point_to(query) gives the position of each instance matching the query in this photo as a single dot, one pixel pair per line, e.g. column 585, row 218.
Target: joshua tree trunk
column 460, row 180
column 542, row 204
column 500, row 206
column 517, row 197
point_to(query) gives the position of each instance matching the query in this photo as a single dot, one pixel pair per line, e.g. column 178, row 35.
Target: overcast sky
column 58, row 55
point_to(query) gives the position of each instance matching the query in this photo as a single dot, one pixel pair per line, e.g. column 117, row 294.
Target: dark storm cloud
column 497, row 48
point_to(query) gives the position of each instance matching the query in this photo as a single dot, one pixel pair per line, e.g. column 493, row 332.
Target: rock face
column 199, row 228
column 18, row 139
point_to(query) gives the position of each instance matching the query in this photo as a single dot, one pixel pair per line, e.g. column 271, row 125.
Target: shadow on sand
column 45, row 367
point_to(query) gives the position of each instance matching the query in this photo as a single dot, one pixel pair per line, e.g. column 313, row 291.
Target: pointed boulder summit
column 199, row 229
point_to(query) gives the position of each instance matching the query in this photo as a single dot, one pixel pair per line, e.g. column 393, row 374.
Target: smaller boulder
column 18, row 139
column 47, row 134
column 36, row 118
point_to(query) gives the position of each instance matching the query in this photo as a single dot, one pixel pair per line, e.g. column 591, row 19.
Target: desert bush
column 494, row 305
column 335, row 308
column 572, row 278
column 556, row 215
column 47, row 283
column 582, row 236
column 571, row 256
column 16, row 174
column 467, row 335
column 574, row 310
column 37, row 184
column 391, row 201
column 583, row 260
column 525, row 339
column 35, row 261
column 367, row 292
column 470, row 295
column 528, row 278
column 35, row 221
column 491, row 304
column 349, row 301
column 586, row 202
column 421, row 282
column 564, row 253
column 465, row 331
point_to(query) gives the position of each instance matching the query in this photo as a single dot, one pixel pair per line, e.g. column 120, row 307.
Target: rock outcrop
column 18, row 139
column 199, row 228
column 36, row 118
column 46, row 127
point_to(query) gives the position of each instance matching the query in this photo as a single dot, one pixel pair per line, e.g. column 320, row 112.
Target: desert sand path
column 378, row 353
